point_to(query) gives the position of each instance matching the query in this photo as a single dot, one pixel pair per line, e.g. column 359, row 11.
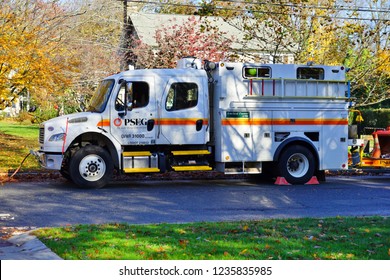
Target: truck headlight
column 57, row 137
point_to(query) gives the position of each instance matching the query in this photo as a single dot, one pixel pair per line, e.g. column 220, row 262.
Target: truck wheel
column 91, row 167
column 296, row 165
column 64, row 172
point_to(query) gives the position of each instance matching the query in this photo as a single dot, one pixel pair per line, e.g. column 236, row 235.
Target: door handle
column 199, row 125
column 150, row 125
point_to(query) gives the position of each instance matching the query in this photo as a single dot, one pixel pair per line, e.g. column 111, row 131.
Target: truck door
column 184, row 117
column 133, row 115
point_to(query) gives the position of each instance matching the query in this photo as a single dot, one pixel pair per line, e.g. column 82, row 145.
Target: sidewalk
column 25, row 247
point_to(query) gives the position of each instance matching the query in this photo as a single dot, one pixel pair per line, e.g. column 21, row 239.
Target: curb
column 26, row 247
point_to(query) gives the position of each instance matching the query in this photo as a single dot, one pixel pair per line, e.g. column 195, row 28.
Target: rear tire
column 296, row 164
column 91, row 167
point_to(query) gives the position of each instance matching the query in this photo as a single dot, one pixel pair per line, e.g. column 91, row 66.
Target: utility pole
column 124, row 38
column 126, row 55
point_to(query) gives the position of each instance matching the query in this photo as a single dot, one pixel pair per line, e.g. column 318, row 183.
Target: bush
column 23, row 116
column 42, row 115
column 374, row 118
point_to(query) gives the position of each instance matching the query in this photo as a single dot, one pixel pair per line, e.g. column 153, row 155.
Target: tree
column 226, row 9
column 184, row 7
column 178, row 41
column 32, row 56
column 354, row 33
column 368, row 55
column 95, row 36
column 52, row 48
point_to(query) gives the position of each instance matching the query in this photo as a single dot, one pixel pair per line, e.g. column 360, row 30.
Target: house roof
column 146, row 24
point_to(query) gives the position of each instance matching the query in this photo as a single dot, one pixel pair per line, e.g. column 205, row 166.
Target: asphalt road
column 58, row 203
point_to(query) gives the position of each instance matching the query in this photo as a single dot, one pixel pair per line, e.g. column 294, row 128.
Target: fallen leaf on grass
column 243, row 252
column 350, row 256
column 245, row 228
column 183, row 242
column 160, row 249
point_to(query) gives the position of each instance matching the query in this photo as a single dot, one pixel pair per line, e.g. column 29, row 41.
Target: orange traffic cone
column 281, row 181
column 313, row 181
column 376, row 152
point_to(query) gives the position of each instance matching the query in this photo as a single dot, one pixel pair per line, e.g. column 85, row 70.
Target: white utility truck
column 236, row 118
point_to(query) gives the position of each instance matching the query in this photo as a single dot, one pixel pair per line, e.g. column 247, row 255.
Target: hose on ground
column 16, row 171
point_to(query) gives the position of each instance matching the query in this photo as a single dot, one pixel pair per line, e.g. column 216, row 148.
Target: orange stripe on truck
column 240, row 121
column 103, row 123
column 181, row 121
column 106, row 122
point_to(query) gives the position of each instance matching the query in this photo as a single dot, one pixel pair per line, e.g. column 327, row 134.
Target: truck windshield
column 99, row 99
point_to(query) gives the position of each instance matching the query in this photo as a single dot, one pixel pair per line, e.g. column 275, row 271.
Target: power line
column 289, row 5
column 359, row 9
column 292, row 5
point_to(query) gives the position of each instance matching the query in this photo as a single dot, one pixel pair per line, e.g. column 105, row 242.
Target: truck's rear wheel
column 91, row 167
column 296, row 164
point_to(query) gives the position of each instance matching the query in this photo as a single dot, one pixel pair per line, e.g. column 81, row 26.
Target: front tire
column 91, row 167
column 296, row 164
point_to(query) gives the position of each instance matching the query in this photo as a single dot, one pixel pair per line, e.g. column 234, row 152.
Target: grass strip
column 340, row 238
column 16, row 142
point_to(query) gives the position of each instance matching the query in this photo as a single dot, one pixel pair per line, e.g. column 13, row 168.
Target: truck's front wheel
column 91, row 167
column 296, row 164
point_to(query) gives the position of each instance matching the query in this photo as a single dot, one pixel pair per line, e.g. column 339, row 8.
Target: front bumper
column 49, row 160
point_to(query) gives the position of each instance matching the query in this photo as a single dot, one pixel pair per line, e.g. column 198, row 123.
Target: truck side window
column 182, row 96
column 256, row 72
column 310, row 73
column 139, row 96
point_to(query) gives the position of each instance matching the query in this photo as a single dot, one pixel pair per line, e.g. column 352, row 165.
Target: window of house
column 182, row 96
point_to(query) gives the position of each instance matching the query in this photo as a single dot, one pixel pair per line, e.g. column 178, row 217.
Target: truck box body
column 254, row 116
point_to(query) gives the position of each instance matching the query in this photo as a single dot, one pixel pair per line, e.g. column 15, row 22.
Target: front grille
column 41, row 134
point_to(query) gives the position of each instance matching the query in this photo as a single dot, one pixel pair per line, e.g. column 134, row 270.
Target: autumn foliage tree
column 94, row 34
column 33, row 57
column 59, row 49
column 180, row 40
column 354, row 33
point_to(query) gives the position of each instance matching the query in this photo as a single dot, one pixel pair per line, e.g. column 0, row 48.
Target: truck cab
column 133, row 116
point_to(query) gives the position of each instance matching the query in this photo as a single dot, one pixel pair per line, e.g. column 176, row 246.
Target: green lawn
column 337, row 238
column 16, row 142
column 29, row 132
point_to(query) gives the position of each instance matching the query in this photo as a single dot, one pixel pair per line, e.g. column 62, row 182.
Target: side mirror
column 130, row 106
column 128, row 97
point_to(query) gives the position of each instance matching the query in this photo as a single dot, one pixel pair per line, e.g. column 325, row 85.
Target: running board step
column 136, row 154
column 141, row 170
column 190, row 152
column 192, row 168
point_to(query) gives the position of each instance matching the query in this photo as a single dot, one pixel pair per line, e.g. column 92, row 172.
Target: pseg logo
column 131, row 122
column 117, row 122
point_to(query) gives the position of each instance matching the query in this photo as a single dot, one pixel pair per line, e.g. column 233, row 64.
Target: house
column 144, row 25
column 10, row 107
